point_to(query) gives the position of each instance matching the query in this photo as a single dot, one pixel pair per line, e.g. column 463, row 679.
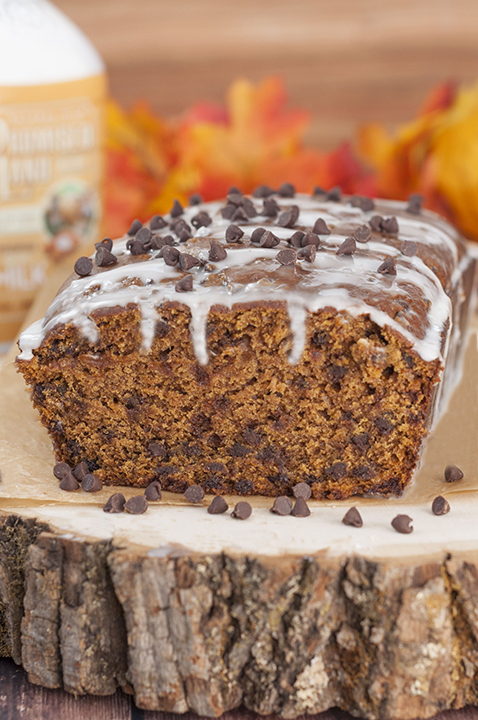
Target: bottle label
column 51, row 168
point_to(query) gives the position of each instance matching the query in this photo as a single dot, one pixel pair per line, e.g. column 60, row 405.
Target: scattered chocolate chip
column 194, row 494
column 176, row 211
column 375, row 223
column 401, row 524
column 452, row 474
column 135, row 247
column 216, row 251
column 307, row 253
column 105, row 243
column 170, row 255
column 270, row 208
column 69, row 483
column 248, row 207
column 239, row 215
column 302, row 490
column 390, row 225
column 310, row 238
column 287, row 190
column 228, row 211
column 289, row 217
column 262, row 191
column 296, row 239
column 187, row 261
column 440, row 506
column 362, row 234
column 282, row 505
column 352, row 517
column 136, row 505
column 318, row 191
column 234, row 190
column 83, row 266
column 80, row 470
column 234, row 234
column 202, row 219
column 348, row 247
column 115, row 504
column 364, row 203
column 134, row 227
column 143, row 236
column 336, row 471
column 104, row 257
column 287, row 256
column 235, row 198
column 320, row 227
column 61, row 469
column 184, row 236
column 157, row 222
column 91, row 483
column 300, row 509
column 218, row 506
column 415, row 202
column 177, row 225
column 388, row 267
column 269, row 240
column 257, row 234
column 153, row 491
column 195, row 199
column 159, row 241
column 242, row 511
column 335, row 194
column 408, row 248
column 384, row 426
column 185, row 284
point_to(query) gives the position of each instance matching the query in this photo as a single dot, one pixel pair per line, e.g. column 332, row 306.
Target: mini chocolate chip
column 170, row 255
column 134, row 227
column 320, row 227
column 104, row 257
column 228, row 211
column 175, row 212
column 415, row 204
column 157, row 222
column 262, row 191
column 248, row 207
column 136, row 247
column 300, row 509
column 302, row 490
column 257, row 234
column 178, row 225
column 352, row 517
column 81, row 470
column 83, row 266
column 440, row 506
column 361, row 441
column 61, row 469
column 335, row 195
column 195, row 199
column 408, row 248
column 194, row 494
column 348, row 247
column 159, row 241
column 336, row 471
column 136, row 505
column 153, row 491
column 184, row 236
column 307, row 253
column 202, row 219
column 218, row 506
column 296, row 239
column 282, row 505
column 310, row 238
column 242, row 510
column 289, row 217
column 270, row 208
column 390, row 225
column 375, row 223
column 115, row 504
column 235, row 198
column 287, row 190
column 69, row 483
column 91, row 483
column 318, row 191
column 234, row 190
column 364, row 203
column 452, row 474
column 143, row 236
column 185, row 284
column 401, row 524
column 362, row 234
column 106, row 243
column 234, row 234
column 384, row 426
column 269, row 240
column 216, row 251
column 239, row 215
column 388, row 267
column 187, row 261
column 286, row 257
column 156, row 449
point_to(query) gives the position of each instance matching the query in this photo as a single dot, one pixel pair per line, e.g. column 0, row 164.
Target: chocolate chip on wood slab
column 185, row 284
column 242, row 510
column 388, row 267
column 352, row 517
column 234, row 234
column 153, row 491
column 134, row 227
column 104, row 257
column 83, row 266
column 302, row 490
column 440, row 506
column 216, row 251
column 61, row 469
column 115, row 504
column 136, row 505
column 401, row 523
column 91, row 483
column 300, row 509
column 194, row 494
column 348, row 247
column 289, row 217
column 69, row 483
column 287, row 256
column 453, row 474
column 282, row 505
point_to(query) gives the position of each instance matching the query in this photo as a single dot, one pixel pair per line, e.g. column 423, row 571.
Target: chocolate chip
column 104, row 257
column 318, row 191
column 320, row 227
column 289, row 217
column 228, row 211
column 69, row 483
column 81, row 470
column 286, row 257
column 364, row 472
column 178, row 225
column 362, row 234
column 348, row 247
column 83, row 266
column 136, row 505
column 300, row 509
column 115, row 504
column 307, row 253
column 257, row 234
column 105, row 243
column 248, row 207
column 415, row 202
column 202, row 219
column 282, row 505
column 187, row 261
column 352, row 517
column 153, row 491
column 310, row 238
column 234, row 190
column 135, row 247
column 61, row 469
column 159, row 241
column 239, row 215
column 143, row 236
column 390, row 225
column 384, row 426
column 184, row 236
column 296, row 239
column 194, row 494
column 234, row 234
column 269, row 240
column 388, row 267
column 176, row 211
column 216, row 251
column 452, row 474
column 364, row 203
column 170, row 255
column 157, row 222
column 375, row 223
column 401, row 524
column 335, row 195
column 91, row 483
column 361, row 441
column 156, row 449
column 287, row 190
column 262, row 191
column 270, row 208
column 408, row 248
column 440, row 506
column 134, row 227
column 302, row 490
column 218, row 506
column 242, row 511
column 336, row 471
column 195, row 199
column 185, row 284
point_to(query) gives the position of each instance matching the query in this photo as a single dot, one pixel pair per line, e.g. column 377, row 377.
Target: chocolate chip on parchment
column 390, row 225
column 106, row 243
column 440, row 506
column 300, row 509
column 104, row 257
column 69, row 483
column 80, row 470
column 153, row 491
column 187, row 261
column 83, row 266
column 185, row 284
column 202, row 219
column 91, row 483
column 282, row 505
column 270, row 208
column 176, row 211
column 234, row 234
column 375, row 223
column 388, row 267
column 195, row 199
column 362, row 234
column 269, row 240
column 320, row 227
column 296, row 239
column 115, row 504
column 302, row 490
column 289, row 217
column 287, row 190
column 415, row 202
column 401, row 523
column 134, row 227
column 287, row 256
column 348, row 247
column 194, row 494
column 452, row 474
column 216, row 251
column 262, row 191
column 61, row 469
column 242, row 510
column 307, row 253
column 408, row 248
column 136, row 505
column 170, row 255
column 157, row 222
column 218, row 506
column 352, row 517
